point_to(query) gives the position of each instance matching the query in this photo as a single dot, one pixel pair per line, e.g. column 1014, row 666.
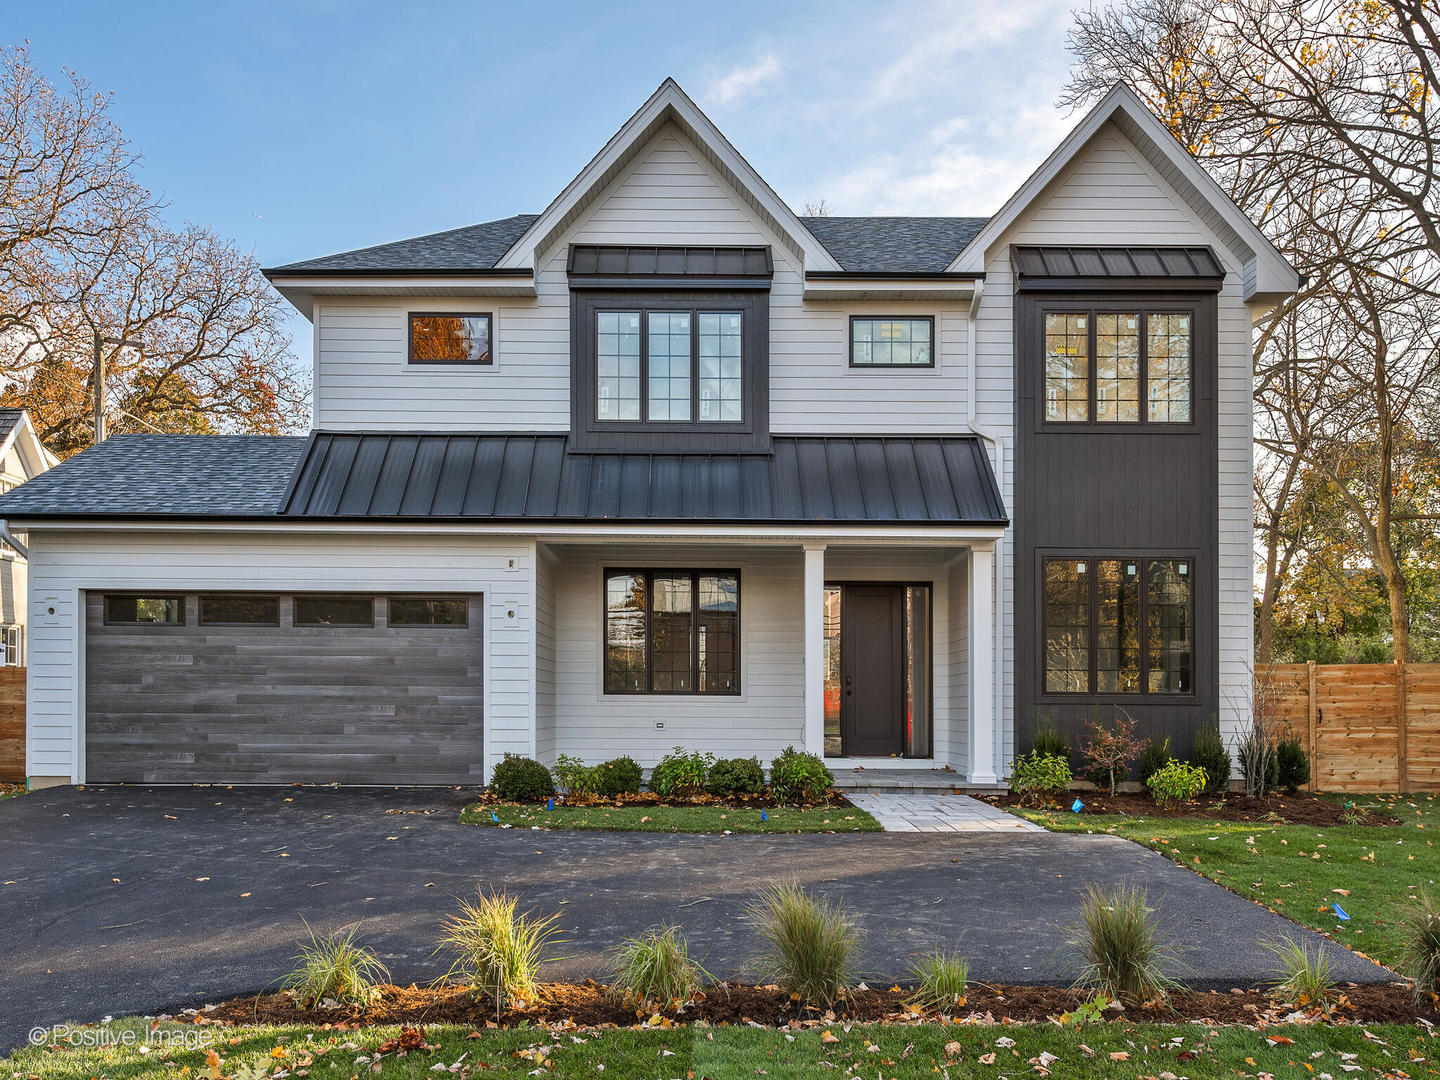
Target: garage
column 272, row 688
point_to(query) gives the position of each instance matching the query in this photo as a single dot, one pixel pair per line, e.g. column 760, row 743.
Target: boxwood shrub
column 736, row 776
column 618, row 776
column 521, row 779
column 799, row 778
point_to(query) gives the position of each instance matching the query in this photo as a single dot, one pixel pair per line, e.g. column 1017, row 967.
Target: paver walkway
column 939, row 813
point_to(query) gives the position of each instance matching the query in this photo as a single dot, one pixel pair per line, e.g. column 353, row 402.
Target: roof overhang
column 23, row 437
column 301, row 288
column 845, row 285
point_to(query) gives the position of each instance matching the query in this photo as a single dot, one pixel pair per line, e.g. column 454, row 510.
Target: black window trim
column 106, row 596
column 1144, row 694
column 410, row 358
column 200, row 619
column 295, row 611
column 463, row 599
column 893, row 367
column 648, row 574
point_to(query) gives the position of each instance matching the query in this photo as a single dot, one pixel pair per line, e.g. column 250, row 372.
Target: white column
column 814, row 623
column 982, row 666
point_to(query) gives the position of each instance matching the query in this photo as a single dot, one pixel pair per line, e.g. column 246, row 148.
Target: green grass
column 729, row 1053
column 1383, row 868
column 687, row 819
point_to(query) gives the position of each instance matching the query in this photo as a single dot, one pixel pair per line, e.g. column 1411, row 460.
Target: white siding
column 545, row 563
column 958, row 661
column 63, row 565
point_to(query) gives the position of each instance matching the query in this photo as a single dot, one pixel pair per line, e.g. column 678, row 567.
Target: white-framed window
column 10, row 641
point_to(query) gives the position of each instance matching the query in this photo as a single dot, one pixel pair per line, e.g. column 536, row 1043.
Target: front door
column 872, row 670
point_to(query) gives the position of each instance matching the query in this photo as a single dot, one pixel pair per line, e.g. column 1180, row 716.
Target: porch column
column 982, row 664
column 814, row 623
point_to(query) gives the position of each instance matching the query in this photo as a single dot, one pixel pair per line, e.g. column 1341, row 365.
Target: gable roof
column 15, row 427
column 887, row 245
column 473, row 247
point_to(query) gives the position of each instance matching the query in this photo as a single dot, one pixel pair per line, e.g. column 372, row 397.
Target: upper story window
column 451, row 339
column 881, row 342
column 669, row 365
column 1118, row 366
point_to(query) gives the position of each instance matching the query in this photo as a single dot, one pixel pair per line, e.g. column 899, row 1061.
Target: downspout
column 9, row 538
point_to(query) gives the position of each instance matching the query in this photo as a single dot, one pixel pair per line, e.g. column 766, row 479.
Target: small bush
column 1125, row 952
column 618, row 776
column 336, row 967
column 521, row 779
column 1050, row 743
column 680, row 775
column 799, row 778
column 1108, row 750
column 500, row 951
column 1257, row 755
column 736, row 776
column 811, row 942
column 1040, row 779
column 1175, row 783
column 1292, row 765
column 654, row 969
column 1421, row 956
column 1304, row 980
column 1209, row 753
column 1153, row 758
column 574, row 777
column 941, row 978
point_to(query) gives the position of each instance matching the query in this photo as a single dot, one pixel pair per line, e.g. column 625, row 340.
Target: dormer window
column 451, row 339
column 669, row 365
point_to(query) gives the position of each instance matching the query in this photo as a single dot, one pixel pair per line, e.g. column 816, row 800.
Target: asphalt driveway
column 129, row 899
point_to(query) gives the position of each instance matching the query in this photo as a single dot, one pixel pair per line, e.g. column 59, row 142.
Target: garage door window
column 428, row 611
column 160, row 610
column 334, row 611
column 239, row 611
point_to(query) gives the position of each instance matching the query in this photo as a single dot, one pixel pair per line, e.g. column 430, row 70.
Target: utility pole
column 98, row 372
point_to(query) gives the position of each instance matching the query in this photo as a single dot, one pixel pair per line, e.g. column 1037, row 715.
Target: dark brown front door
column 872, row 644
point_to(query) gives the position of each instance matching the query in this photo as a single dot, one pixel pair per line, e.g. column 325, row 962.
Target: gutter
column 9, row 538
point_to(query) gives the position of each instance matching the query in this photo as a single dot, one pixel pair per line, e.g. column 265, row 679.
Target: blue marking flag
column 1340, row 914
column 764, row 816
column 494, row 818
column 1077, row 806
column 551, row 804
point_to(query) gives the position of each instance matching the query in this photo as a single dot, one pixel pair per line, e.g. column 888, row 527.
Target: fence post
column 1402, row 728
column 1310, row 720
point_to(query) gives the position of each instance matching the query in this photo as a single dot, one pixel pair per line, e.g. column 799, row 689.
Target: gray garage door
column 280, row 688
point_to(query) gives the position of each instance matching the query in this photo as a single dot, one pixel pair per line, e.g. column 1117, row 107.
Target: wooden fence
column 1367, row 727
column 12, row 724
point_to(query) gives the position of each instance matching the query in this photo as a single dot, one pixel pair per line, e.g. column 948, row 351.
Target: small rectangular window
column 239, row 611
column 428, row 611
column 1168, row 639
column 892, row 342
column 617, row 365
column 334, row 611
column 450, row 339
column 10, row 642
column 1067, row 626
column 1067, row 366
column 160, row 610
column 1167, row 370
column 1117, row 368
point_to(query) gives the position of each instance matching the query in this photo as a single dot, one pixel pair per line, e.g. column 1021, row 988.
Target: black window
column 168, row 610
column 239, row 611
column 672, row 632
column 334, row 611
column 1118, row 366
column 902, row 341
column 669, row 365
column 450, row 339
column 428, row 611
column 1118, row 625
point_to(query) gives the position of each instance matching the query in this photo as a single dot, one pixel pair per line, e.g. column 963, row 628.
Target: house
column 666, row 464
column 22, row 457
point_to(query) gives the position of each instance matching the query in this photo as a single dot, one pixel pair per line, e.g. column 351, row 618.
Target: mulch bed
column 649, row 798
column 1274, row 809
column 591, row 1005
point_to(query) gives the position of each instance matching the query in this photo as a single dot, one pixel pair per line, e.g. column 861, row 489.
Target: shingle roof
column 8, row 419
column 474, row 247
column 140, row 475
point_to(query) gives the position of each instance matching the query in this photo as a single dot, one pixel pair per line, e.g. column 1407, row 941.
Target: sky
column 304, row 128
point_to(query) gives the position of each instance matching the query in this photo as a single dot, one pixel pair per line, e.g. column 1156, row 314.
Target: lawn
column 1301, row 871
column 687, row 819
column 832, row 1052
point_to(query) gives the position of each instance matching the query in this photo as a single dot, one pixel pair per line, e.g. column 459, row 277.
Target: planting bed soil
column 1274, row 809
column 591, row 1005
column 649, row 798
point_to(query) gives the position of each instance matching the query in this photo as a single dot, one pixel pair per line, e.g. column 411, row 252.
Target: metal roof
column 1182, row 265
column 629, row 260
column 806, row 479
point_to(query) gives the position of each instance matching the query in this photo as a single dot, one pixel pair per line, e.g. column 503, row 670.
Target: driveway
column 129, row 899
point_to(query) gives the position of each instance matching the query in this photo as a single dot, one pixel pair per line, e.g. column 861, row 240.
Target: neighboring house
column 22, row 458
column 669, row 465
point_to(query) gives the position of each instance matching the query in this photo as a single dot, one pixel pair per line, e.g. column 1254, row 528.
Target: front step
column 909, row 782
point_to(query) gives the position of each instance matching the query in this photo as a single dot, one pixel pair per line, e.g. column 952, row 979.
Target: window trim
column 105, row 607
column 463, row 599
column 934, row 350
column 412, row 361
column 1144, row 694
column 296, row 624
column 200, row 619
column 607, row 572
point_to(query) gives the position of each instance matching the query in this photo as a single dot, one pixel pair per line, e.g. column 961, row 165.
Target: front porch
column 875, row 654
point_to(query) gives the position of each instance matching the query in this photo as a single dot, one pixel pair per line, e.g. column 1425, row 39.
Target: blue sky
column 300, row 129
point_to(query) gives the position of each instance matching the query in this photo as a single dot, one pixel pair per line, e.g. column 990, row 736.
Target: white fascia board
column 300, row 291
column 34, row 450
column 889, row 289
column 1273, row 273
column 668, row 102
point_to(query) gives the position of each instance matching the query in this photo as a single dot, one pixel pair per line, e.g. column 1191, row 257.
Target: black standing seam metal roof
column 872, row 480
column 1180, row 263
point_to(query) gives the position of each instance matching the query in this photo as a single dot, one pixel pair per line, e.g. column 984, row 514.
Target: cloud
column 741, row 82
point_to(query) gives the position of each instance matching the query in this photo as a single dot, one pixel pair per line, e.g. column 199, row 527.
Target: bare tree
column 816, row 208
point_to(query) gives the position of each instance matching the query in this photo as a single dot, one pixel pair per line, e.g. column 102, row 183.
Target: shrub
column 1040, row 779
column 1050, row 743
column 941, row 978
column 1292, row 764
column 1209, row 753
column 1107, row 750
column 1421, row 955
column 654, row 969
column 799, row 778
column 500, row 951
column 336, row 967
column 1124, row 950
column 574, row 777
column 736, row 776
column 1304, row 980
column 680, row 775
column 811, row 942
column 1259, row 763
column 1153, row 758
column 521, row 779
column 618, row 776
column 1174, row 783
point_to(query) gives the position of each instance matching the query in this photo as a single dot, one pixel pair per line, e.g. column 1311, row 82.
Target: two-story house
column 666, row 464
